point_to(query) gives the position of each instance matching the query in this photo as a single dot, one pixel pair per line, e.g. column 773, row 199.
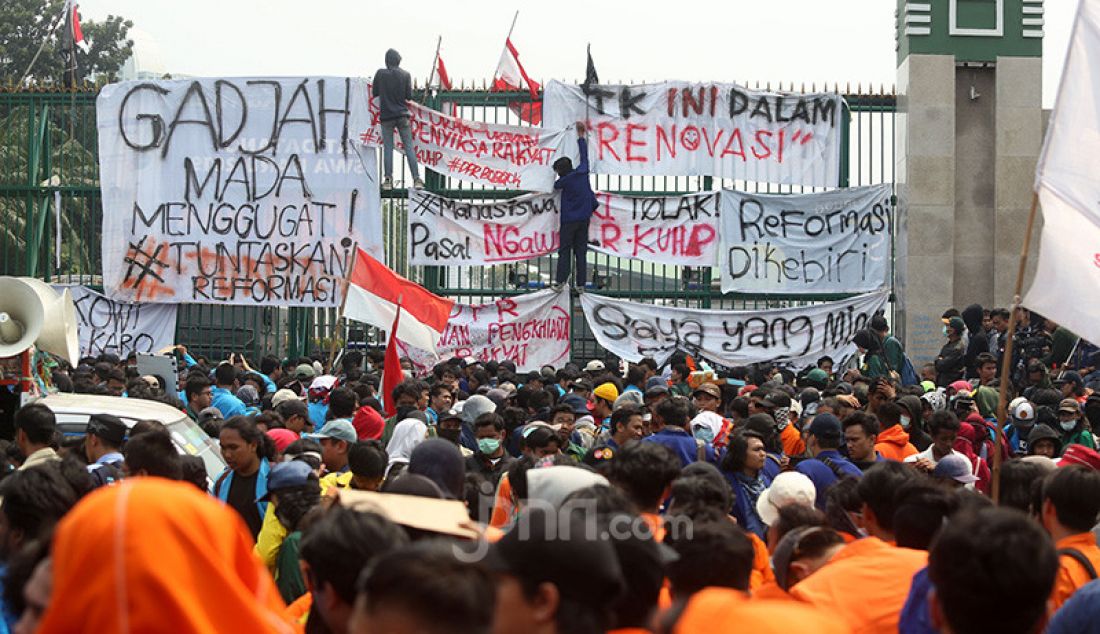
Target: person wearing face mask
column 912, row 421
column 1023, row 421
column 1072, row 425
column 892, row 441
column 708, row 426
column 450, row 429
column 490, row 461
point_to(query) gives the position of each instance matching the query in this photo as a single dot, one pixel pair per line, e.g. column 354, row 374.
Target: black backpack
column 106, row 474
column 1080, row 558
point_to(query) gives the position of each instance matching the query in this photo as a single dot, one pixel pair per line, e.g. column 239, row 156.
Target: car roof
column 130, row 410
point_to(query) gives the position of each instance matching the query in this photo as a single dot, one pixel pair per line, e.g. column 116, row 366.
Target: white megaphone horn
column 59, row 334
column 22, row 316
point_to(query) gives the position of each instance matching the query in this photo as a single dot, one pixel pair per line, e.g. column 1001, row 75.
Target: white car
column 73, row 410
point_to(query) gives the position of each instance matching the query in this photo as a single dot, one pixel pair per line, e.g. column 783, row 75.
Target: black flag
column 590, row 76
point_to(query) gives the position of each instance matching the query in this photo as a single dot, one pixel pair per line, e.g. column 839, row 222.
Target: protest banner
column 235, row 191
column 796, row 336
column 120, row 328
column 508, row 156
column 679, row 128
column 530, row 330
column 824, row 242
column 449, row 232
column 665, row 229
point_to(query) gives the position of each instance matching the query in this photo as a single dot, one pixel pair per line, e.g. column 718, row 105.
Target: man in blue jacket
column 577, row 204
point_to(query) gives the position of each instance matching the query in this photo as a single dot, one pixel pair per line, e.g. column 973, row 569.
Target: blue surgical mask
column 705, row 434
column 905, row 422
column 488, row 446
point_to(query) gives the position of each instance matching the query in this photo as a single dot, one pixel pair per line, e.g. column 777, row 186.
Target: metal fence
column 51, row 213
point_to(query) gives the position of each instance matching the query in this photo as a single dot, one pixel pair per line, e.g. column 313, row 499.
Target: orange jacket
column 792, row 441
column 151, row 555
column 893, row 443
column 726, row 611
column 865, row 584
column 761, row 563
column 1071, row 574
column 503, row 505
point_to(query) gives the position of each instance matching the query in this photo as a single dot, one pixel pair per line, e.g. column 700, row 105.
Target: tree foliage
column 26, row 24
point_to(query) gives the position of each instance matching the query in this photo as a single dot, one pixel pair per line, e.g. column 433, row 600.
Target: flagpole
column 343, row 304
column 49, row 32
column 513, row 27
column 435, row 64
column 1006, row 362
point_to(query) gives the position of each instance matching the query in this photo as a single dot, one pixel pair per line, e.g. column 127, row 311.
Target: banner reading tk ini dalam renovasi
column 448, row 232
column 796, row 336
column 825, row 242
column 530, row 330
column 677, row 128
column 235, row 191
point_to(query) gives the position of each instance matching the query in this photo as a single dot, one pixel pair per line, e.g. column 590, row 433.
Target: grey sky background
column 799, row 41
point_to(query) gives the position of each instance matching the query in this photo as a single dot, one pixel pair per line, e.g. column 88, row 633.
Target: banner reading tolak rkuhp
column 530, row 330
column 678, row 128
column 508, row 156
column 448, row 232
column 665, row 229
column 795, row 336
column 238, row 191
column 825, row 242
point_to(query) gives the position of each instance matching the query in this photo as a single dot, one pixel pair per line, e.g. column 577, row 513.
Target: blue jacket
column 681, row 443
column 318, row 412
column 226, row 480
column 228, row 404
column 916, row 618
column 744, row 507
column 823, row 476
column 577, row 200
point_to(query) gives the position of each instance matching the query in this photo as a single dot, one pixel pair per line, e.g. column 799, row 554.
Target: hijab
column 406, row 436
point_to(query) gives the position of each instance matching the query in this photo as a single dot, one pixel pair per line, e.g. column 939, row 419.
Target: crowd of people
column 595, row 497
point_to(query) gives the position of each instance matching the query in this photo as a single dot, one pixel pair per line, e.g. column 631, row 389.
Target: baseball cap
column 304, row 371
column 928, row 386
column 450, row 414
column 108, row 427
column 606, row 391
column 1069, row 405
column 655, row 381
column 282, row 396
column 286, row 475
column 209, row 414
column 595, row 365
column 656, row 390
column 581, row 384
column 338, row 429
column 1023, row 412
column 957, row 324
column 577, row 403
column 825, row 426
column 817, row 376
column 1080, row 455
column 282, row 438
column 709, row 388
column 539, row 549
column 789, row 487
column 956, row 467
column 1070, row 377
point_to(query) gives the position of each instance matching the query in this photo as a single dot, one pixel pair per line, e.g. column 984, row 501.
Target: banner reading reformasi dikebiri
column 825, row 242
column 677, row 128
column 795, row 336
column 239, row 191
column 530, row 330
column 494, row 155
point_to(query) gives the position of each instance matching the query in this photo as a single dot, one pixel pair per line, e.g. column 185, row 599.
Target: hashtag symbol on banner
column 141, row 264
column 455, row 164
column 424, row 206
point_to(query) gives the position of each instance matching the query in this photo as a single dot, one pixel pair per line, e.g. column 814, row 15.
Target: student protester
column 334, row 551
column 1072, row 423
column 367, row 461
column 944, row 428
column 645, row 471
column 827, row 465
column 892, row 441
column 877, row 491
column 293, row 491
column 176, row 537
column 627, row 424
column 394, row 590
column 406, row 436
column 449, row 428
column 198, row 395
column 912, row 421
column 672, row 415
column 222, row 397
column 861, row 432
column 35, row 425
column 490, row 461
column 1043, row 441
column 743, row 466
column 714, row 555
column 577, row 204
column 392, row 86
column 153, row 454
column 1070, row 505
column 441, row 462
column 247, row 452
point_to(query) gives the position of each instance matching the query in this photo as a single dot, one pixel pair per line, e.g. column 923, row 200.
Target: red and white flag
column 74, row 21
column 372, row 296
column 511, row 77
column 443, row 80
column 392, row 372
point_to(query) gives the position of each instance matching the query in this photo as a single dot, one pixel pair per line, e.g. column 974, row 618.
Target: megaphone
column 22, row 316
column 59, row 334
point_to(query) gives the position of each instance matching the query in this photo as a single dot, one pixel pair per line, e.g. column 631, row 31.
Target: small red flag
column 511, row 76
column 392, row 373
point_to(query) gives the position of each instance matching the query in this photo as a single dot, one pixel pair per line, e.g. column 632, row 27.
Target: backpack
column 1080, row 558
column 106, row 474
column 907, row 374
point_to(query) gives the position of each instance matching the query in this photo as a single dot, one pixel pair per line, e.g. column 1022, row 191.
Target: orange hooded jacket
column 893, row 443
column 151, row 555
column 726, row 611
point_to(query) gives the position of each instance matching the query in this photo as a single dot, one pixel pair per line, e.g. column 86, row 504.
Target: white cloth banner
column 448, row 232
column 530, row 330
column 236, row 191
column 508, row 156
column 665, row 229
column 120, row 328
column 1067, row 277
column 795, row 336
column 678, row 128
column 824, row 242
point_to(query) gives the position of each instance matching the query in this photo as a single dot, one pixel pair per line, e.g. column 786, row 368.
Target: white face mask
column 905, row 422
column 1068, row 425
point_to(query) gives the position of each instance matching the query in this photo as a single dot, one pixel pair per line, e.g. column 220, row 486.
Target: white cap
column 282, row 396
column 789, row 487
column 595, row 365
column 1023, row 412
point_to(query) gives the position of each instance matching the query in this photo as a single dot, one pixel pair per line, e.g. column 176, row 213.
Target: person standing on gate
column 577, row 204
column 393, row 87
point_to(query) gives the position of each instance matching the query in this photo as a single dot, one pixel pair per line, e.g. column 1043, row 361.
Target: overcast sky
column 845, row 41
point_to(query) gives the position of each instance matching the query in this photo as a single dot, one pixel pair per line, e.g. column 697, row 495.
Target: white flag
column 1067, row 279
